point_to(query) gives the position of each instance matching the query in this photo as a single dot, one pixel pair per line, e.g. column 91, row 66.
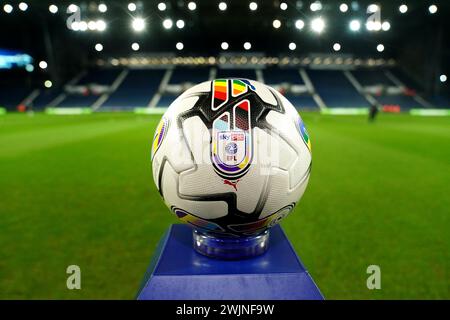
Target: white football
column 231, row 156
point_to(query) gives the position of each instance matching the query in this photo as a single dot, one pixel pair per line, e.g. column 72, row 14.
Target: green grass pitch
column 79, row 190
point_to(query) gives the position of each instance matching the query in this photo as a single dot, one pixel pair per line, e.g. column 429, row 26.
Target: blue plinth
column 177, row 272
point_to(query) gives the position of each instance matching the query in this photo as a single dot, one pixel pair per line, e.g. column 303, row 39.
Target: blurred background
column 75, row 177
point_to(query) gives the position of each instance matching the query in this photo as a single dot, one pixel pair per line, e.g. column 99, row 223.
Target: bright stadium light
column 372, row 8
column 276, row 23
column 403, row 8
column 443, row 78
column 43, row 65
column 167, row 23
column 299, row 24
column 433, row 9
column 180, row 24
column 336, row 47
column 222, row 6
column 292, row 46
column 343, row 7
column 179, row 46
column 23, row 6
column 100, row 25
column 138, row 24
column 98, row 47
column 380, row 48
column 135, row 46
column 162, row 6
column 48, row 84
column 92, row 25
column 8, row 8
column 102, row 8
column 316, row 6
column 385, row 26
column 318, row 25
column 247, row 45
column 75, row 26
column 73, row 8
column 253, row 6
column 83, row 26
column 283, row 6
column 29, row 67
column 132, row 6
column 224, row 45
column 373, row 25
column 355, row 25
column 192, row 6
column 53, row 9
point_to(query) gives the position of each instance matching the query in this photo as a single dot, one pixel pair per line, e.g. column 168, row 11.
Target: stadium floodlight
column 48, row 84
column 253, row 6
column 98, row 47
column 101, row 25
column 299, row 24
column 167, row 24
column 247, row 45
column 102, row 8
column 8, row 8
column 53, row 9
column 385, row 26
column 317, row 25
column 43, row 65
column 222, row 6
column 224, row 45
column 73, row 8
column 403, row 8
column 276, row 23
column 192, row 6
column 443, row 78
column 75, row 26
column 162, row 6
column 83, row 26
column 179, row 46
column 292, row 46
column 135, row 46
column 29, row 67
column 23, row 6
column 138, row 24
column 132, row 6
column 433, row 9
column 316, row 6
column 380, row 48
column 283, row 6
column 355, row 25
column 180, row 24
column 336, row 47
column 343, row 7
column 372, row 8
column 373, row 25
column 92, row 25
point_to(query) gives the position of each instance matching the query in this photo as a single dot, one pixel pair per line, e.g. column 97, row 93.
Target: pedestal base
column 177, row 272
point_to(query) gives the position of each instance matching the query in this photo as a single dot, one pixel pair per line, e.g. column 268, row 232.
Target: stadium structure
column 332, row 56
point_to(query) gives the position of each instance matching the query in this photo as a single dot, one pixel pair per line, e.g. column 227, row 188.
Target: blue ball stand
column 230, row 248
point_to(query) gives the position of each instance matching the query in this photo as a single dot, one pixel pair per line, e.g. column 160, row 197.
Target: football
column 231, row 157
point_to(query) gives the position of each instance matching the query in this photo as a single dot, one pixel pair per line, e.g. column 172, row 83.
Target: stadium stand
column 137, row 90
column 335, row 89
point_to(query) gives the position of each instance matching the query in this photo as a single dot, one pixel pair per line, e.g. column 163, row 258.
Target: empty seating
column 236, row 73
column 183, row 75
column 371, row 77
column 137, row 89
column 335, row 89
column 277, row 75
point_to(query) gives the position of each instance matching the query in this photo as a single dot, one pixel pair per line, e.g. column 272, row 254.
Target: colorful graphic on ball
column 160, row 133
column 196, row 221
column 231, row 147
column 304, row 133
column 220, row 93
